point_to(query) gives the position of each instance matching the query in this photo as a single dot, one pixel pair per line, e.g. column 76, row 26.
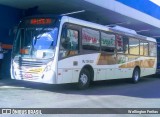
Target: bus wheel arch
column 85, row 77
column 136, row 74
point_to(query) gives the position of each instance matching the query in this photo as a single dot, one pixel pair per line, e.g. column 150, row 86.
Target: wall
column 10, row 17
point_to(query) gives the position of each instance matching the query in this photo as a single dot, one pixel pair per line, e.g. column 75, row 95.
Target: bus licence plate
column 28, row 76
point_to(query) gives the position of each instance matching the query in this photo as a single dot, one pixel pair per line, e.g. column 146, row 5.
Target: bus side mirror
column 13, row 31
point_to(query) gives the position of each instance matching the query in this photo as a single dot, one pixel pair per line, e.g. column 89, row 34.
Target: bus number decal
column 87, row 61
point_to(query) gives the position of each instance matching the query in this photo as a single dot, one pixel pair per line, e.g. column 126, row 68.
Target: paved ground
column 104, row 94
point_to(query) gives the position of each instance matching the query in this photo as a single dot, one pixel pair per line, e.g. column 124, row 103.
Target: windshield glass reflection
column 36, row 43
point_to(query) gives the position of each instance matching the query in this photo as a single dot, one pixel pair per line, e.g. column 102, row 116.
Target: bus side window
column 108, row 42
column 72, row 36
column 69, row 43
column 122, row 44
column 146, row 48
column 152, row 49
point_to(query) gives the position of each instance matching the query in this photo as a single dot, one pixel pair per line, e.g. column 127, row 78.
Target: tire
column 84, row 79
column 136, row 75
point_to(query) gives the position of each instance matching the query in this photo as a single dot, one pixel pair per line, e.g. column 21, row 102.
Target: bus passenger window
column 72, row 35
column 69, row 43
column 134, row 46
column 122, row 44
column 146, row 48
column 125, row 45
column 141, row 48
column 108, row 42
column 90, row 39
column 152, row 49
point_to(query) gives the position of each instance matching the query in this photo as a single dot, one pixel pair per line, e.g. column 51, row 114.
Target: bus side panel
column 69, row 68
column 65, row 71
column 147, row 65
column 148, row 71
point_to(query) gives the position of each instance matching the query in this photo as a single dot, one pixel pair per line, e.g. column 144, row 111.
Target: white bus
column 62, row 49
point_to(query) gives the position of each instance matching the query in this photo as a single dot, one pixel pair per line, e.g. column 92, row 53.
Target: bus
column 62, row 49
column 158, row 57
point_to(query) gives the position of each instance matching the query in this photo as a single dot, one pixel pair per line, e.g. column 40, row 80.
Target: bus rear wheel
column 84, row 79
column 136, row 75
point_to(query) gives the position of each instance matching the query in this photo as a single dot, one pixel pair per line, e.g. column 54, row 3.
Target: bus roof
column 121, row 30
column 86, row 23
column 151, row 39
column 106, row 28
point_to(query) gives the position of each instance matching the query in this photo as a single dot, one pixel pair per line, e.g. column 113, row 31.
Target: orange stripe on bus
column 6, row 46
column 24, row 51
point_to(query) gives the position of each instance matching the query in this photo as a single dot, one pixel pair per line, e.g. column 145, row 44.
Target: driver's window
column 69, row 43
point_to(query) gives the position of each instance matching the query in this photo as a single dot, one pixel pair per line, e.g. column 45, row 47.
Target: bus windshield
column 35, row 42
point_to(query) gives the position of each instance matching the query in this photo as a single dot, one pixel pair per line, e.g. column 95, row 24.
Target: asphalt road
column 102, row 94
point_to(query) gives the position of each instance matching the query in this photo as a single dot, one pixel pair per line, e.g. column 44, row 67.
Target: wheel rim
column 84, row 79
column 136, row 75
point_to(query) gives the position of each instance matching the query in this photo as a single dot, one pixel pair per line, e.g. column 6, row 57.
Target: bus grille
column 30, row 63
column 27, row 64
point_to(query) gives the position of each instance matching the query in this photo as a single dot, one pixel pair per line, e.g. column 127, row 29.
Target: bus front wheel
column 84, row 79
column 136, row 75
